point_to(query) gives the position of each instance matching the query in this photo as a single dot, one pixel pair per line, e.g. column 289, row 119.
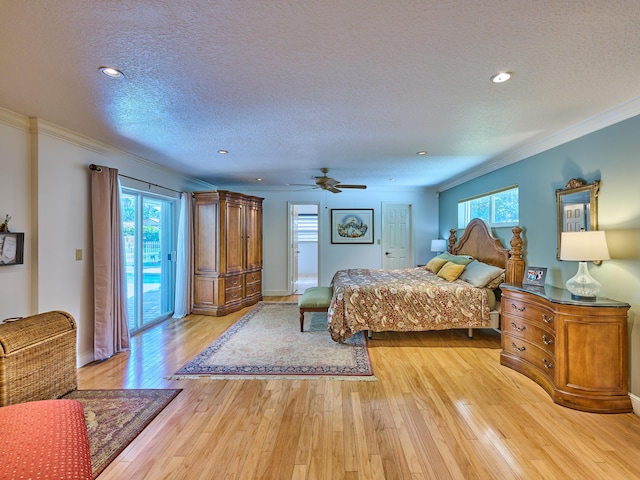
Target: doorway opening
column 303, row 240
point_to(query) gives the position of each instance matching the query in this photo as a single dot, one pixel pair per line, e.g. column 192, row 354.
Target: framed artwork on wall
column 351, row 225
column 11, row 248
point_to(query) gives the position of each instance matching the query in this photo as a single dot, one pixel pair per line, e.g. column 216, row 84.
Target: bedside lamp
column 439, row 245
column 583, row 247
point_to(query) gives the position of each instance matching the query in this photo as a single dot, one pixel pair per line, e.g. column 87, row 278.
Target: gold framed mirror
column 577, row 207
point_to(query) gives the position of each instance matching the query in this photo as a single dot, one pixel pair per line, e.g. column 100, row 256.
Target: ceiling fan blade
column 302, row 185
column 341, row 185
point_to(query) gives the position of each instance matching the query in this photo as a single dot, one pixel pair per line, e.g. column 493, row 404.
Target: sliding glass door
column 149, row 257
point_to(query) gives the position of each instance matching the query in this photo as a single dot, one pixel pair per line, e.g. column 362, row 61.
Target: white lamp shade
column 438, row 245
column 584, row 246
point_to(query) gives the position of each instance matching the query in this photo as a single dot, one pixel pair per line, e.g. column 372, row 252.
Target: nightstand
column 576, row 350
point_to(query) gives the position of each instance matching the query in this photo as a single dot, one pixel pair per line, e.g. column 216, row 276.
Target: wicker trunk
column 37, row 357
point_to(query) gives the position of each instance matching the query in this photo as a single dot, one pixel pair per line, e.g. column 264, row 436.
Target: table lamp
column 438, row 245
column 583, row 247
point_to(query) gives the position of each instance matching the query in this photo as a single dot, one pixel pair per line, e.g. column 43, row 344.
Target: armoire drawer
column 253, row 277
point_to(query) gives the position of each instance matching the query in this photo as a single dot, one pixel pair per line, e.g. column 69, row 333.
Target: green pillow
column 459, row 259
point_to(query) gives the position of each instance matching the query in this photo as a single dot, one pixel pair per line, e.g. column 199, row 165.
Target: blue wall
column 611, row 155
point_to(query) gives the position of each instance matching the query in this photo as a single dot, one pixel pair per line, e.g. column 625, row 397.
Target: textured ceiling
column 288, row 87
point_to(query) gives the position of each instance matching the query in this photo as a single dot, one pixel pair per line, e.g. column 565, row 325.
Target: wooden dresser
column 228, row 252
column 576, row 350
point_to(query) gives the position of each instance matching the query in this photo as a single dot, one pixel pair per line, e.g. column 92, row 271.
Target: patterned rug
column 115, row 417
column 267, row 343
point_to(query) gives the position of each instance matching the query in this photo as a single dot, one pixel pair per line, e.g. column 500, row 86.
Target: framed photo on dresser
column 534, row 276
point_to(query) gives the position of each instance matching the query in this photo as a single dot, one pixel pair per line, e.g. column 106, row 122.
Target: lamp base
column 583, row 286
column 583, row 298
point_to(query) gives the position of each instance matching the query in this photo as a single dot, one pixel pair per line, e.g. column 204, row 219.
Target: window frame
column 464, row 210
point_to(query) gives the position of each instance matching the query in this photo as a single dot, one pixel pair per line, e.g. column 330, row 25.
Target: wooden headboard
column 478, row 242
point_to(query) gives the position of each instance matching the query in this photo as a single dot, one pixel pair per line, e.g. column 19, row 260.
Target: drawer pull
column 546, row 364
column 547, row 319
column 519, row 309
column 516, row 327
column 517, row 348
column 545, row 341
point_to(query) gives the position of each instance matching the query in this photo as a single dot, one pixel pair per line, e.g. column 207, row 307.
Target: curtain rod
column 98, row 169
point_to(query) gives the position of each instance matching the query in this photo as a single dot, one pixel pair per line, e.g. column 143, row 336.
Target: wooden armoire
column 228, row 252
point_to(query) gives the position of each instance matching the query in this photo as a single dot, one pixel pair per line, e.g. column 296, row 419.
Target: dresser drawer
column 532, row 332
column 530, row 353
column 531, row 311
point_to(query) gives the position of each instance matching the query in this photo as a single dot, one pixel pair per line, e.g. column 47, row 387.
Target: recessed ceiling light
column 501, row 77
column 112, row 72
column 258, row 179
column 223, row 152
column 421, row 152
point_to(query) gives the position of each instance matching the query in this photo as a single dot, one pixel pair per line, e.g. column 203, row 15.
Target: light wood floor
column 442, row 408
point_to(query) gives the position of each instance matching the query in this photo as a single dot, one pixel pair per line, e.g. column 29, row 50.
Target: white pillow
column 480, row 274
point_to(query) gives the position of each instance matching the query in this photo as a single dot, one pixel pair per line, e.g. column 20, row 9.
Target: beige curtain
column 184, row 260
column 111, row 332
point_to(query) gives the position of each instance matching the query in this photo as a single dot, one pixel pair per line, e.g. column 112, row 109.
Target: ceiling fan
column 330, row 184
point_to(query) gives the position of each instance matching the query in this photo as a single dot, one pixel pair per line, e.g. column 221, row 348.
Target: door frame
column 290, row 253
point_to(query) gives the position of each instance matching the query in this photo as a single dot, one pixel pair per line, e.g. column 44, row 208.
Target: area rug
column 267, row 343
column 115, row 417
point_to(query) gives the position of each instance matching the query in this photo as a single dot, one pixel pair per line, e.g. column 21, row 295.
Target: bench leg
column 301, row 320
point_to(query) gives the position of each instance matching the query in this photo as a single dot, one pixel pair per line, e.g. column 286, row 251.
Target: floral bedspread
column 402, row 300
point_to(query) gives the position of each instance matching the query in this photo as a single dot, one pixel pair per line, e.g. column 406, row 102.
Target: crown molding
column 592, row 124
column 13, row 119
column 34, row 125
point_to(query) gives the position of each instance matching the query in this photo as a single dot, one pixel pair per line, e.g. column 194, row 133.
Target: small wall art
column 11, row 248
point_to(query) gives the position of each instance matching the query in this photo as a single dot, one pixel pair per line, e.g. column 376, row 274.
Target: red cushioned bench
column 46, row 439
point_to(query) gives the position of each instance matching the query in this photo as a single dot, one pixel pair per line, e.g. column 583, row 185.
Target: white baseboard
column 84, row 359
column 635, row 403
column 274, row 293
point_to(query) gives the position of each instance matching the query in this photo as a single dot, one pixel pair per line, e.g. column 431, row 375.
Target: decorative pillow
column 480, row 274
column 451, row 271
column 435, row 264
column 459, row 259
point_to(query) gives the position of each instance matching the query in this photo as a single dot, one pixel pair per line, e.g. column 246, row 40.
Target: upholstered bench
column 314, row 299
column 37, row 357
column 46, row 439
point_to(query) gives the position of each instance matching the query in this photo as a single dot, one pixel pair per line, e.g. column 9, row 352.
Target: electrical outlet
column 78, row 254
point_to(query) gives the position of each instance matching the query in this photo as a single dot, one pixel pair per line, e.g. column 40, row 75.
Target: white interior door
column 574, row 218
column 397, row 249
